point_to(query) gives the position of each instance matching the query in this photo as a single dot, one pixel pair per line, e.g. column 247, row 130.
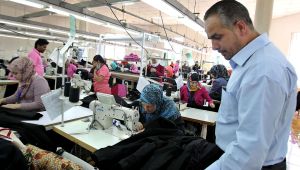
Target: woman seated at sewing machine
column 194, row 93
column 154, row 105
column 31, row 87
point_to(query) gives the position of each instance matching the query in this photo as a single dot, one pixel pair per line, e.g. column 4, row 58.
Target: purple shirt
column 32, row 99
column 36, row 58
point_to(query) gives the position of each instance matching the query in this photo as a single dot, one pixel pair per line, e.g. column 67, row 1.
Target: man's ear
column 241, row 27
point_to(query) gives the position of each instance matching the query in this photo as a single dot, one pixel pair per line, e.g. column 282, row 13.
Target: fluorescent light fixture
column 119, row 28
column 21, row 24
column 41, row 35
column 163, row 7
column 89, row 36
column 169, row 10
column 58, row 31
column 4, row 30
column 93, row 21
column 57, row 10
column 28, row 3
column 193, row 25
column 11, row 36
column 150, row 48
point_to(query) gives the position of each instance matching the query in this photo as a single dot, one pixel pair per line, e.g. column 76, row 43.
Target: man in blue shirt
column 257, row 106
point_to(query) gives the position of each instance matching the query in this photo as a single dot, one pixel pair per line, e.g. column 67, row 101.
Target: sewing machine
column 107, row 111
column 76, row 81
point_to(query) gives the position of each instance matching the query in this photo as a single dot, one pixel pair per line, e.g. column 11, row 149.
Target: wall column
column 263, row 15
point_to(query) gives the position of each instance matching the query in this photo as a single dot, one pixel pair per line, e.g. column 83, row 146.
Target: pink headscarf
column 169, row 70
column 25, row 67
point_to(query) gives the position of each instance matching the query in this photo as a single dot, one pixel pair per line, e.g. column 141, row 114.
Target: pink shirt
column 103, row 86
column 36, row 58
column 71, row 70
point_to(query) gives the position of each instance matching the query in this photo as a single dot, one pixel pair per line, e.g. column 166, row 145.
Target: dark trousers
column 279, row 166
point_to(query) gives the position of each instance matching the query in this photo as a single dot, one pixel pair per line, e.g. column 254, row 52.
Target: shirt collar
column 245, row 53
column 35, row 50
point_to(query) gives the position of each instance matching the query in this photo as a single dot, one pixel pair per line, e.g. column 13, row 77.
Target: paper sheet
column 52, row 103
column 75, row 112
column 141, row 84
column 179, row 82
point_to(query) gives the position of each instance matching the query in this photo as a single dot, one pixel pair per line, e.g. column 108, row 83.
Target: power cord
column 109, row 5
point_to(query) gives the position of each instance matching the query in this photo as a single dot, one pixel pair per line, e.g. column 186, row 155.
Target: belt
column 279, row 166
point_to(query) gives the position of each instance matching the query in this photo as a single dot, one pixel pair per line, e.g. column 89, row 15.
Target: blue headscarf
column 219, row 71
column 165, row 107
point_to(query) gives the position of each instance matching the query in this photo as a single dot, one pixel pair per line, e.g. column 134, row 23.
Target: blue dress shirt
column 254, row 119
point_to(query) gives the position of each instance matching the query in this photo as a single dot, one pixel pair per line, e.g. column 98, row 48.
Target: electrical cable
column 109, row 5
column 163, row 25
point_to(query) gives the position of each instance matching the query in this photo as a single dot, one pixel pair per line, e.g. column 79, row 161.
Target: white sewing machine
column 106, row 111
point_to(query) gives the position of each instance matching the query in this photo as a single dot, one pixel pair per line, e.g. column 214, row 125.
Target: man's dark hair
column 40, row 42
column 230, row 11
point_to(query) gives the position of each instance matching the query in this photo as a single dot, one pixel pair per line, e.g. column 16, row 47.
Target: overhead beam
column 94, row 3
column 36, row 14
column 177, row 5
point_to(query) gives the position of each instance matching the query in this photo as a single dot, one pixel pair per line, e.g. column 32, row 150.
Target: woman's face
column 194, row 85
column 17, row 75
column 149, row 108
column 95, row 63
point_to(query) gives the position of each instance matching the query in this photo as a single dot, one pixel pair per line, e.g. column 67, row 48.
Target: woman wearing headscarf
column 169, row 72
column 101, row 75
column 155, row 105
column 194, row 93
column 31, row 87
column 220, row 78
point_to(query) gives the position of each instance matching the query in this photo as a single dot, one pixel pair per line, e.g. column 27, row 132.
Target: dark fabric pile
column 29, row 133
column 11, row 158
column 161, row 146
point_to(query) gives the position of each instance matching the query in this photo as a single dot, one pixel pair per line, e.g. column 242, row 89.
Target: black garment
column 279, row 166
column 29, row 133
column 10, row 89
column 11, row 158
column 157, row 148
column 20, row 114
column 298, row 101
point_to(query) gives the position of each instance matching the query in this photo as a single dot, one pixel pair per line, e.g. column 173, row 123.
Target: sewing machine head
column 78, row 82
column 106, row 110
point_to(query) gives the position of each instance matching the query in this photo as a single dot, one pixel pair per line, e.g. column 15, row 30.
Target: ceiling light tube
column 28, row 3
column 164, row 7
column 13, row 23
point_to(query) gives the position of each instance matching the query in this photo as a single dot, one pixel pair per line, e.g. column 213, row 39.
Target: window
column 294, row 54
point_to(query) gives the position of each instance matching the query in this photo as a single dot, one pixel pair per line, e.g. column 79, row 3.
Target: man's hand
column 12, row 106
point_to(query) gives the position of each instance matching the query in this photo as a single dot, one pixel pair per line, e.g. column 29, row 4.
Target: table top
column 7, row 82
column 125, row 76
column 54, row 76
column 77, row 132
column 199, row 116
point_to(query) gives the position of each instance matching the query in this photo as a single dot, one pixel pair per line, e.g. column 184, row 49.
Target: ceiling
column 145, row 16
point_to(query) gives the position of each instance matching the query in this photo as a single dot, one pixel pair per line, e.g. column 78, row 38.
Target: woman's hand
column 212, row 105
column 139, row 126
column 12, row 106
column 2, row 101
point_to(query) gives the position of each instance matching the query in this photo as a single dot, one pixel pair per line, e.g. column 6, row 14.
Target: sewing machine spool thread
column 67, row 89
column 74, row 94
